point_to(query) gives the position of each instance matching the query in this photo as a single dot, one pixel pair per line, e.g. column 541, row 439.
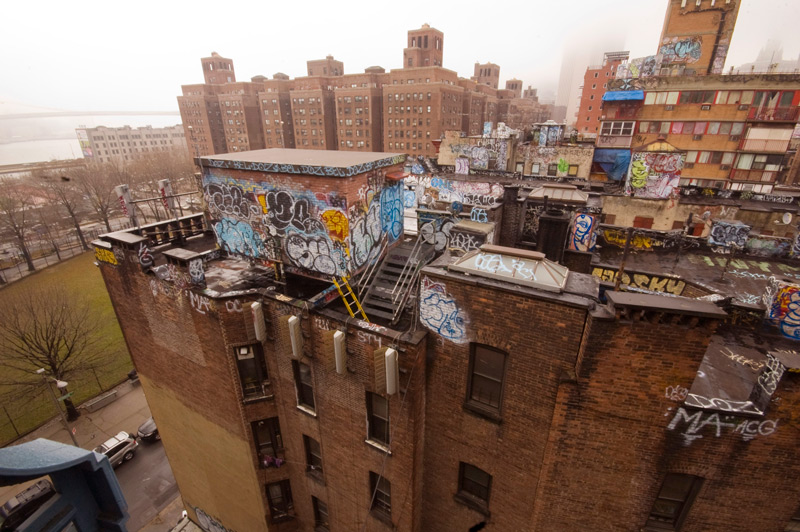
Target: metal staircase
column 395, row 279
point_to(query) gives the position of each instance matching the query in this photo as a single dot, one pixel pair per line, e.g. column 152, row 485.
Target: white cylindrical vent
column 339, row 352
column 296, row 335
column 392, row 372
column 258, row 321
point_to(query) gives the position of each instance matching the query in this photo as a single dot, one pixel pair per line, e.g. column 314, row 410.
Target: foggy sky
column 135, row 56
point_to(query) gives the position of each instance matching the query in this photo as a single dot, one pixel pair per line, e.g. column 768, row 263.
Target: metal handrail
column 413, row 283
column 366, row 278
column 413, row 260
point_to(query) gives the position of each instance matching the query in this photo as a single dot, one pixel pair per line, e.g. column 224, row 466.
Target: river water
column 31, row 140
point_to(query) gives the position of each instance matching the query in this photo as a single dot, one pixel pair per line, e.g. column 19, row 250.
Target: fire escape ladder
column 349, row 298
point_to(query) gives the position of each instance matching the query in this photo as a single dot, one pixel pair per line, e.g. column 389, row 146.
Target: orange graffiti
column 336, row 221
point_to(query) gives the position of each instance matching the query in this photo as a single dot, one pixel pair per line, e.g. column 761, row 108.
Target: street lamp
column 60, row 385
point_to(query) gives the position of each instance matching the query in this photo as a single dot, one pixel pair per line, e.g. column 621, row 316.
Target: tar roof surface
column 334, row 159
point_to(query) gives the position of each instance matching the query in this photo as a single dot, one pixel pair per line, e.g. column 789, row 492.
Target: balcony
column 764, row 145
column 754, row 175
column 777, row 114
column 613, row 141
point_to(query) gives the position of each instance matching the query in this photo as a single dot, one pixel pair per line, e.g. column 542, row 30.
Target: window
column 303, row 383
column 534, row 168
column 486, row 371
column 313, row 456
column 377, row 418
column 673, row 502
column 617, row 128
column 268, row 440
column 320, row 514
column 281, row 505
column 252, row 371
column 474, row 485
column 573, row 170
column 643, row 222
column 552, row 170
column 380, row 495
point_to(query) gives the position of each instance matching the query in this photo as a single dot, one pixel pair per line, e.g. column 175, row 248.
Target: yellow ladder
column 345, row 291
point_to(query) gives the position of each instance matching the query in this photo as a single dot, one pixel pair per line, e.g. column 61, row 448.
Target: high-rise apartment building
column 487, row 74
column 104, row 144
column 331, row 110
column 325, row 67
column 514, row 85
column 595, row 84
column 425, row 48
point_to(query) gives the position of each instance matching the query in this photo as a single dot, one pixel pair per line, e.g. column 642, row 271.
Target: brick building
column 439, row 101
column 104, row 144
column 595, row 84
column 282, row 410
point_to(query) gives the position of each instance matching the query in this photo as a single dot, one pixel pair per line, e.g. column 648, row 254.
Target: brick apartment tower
column 487, row 74
column 325, row 67
column 514, row 85
column 595, row 84
column 425, row 47
column 696, row 36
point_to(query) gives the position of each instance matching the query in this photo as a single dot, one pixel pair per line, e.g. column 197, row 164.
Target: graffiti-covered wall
column 319, row 226
column 654, row 175
column 782, row 299
column 537, row 160
column 466, row 153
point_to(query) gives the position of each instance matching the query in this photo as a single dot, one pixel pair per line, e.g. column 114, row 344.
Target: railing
column 754, row 175
column 366, row 278
column 786, row 114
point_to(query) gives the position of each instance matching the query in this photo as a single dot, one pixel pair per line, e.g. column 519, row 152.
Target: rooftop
column 310, row 162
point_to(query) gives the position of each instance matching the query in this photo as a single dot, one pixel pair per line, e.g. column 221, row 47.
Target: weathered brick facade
column 587, row 410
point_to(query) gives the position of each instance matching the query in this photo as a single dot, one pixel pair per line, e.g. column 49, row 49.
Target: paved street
column 147, row 481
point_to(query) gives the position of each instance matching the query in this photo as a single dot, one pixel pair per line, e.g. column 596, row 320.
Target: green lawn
column 80, row 278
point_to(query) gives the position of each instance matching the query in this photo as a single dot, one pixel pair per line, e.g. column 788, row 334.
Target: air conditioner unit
column 340, row 353
column 697, row 137
column 705, row 107
column 669, row 107
column 744, row 107
column 688, row 165
column 735, row 137
column 296, row 336
column 258, row 321
column 392, row 372
column 724, row 167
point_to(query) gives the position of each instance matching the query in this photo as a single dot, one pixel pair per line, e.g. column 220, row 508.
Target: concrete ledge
column 100, row 402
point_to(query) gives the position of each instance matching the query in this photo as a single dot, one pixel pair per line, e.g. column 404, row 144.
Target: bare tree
column 63, row 191
column 16, row 205
column 46, row 329
column 97, row 182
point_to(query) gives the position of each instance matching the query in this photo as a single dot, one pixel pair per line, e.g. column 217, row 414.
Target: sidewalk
column 126, row 413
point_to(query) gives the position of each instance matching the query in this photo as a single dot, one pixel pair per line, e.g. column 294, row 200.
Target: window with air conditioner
column 252, row 369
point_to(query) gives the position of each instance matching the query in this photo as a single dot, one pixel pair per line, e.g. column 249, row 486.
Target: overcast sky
column 95, row 55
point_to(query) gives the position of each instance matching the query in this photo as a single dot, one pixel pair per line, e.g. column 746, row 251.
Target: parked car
column 118, row 449
column 20, row 507
column 148, row 431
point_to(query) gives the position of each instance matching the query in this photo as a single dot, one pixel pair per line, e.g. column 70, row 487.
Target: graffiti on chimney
column 584, row 237
column 677, row 50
